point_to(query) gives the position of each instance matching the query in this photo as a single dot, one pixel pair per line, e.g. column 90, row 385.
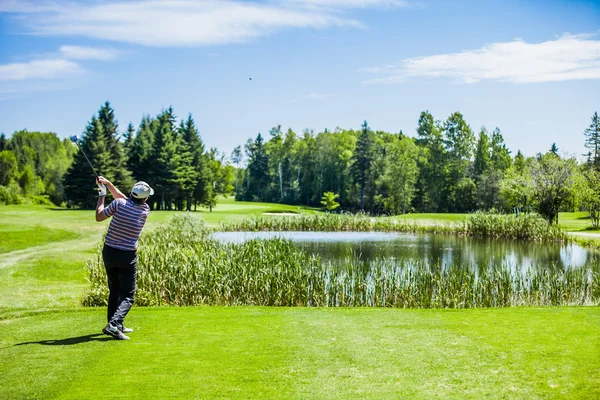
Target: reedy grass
column 181, row 265
column 480, row 224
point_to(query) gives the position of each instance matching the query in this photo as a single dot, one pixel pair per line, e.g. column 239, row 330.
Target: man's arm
column 100, row 216
column 116, row 193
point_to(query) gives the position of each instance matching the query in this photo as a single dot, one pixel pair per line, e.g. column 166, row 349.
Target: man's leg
column 127, row 280
column 111, row 264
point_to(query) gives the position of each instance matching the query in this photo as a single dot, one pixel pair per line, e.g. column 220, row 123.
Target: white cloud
column 346, row 4
column 39, row 69
column 182, row 22
column 318, row 96
column 569, row 57
column 87, row 53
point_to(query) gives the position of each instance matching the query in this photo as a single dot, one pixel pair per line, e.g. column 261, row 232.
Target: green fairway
column 44, row 249
column 257, row 352
column 51, row 347
column 575, row 221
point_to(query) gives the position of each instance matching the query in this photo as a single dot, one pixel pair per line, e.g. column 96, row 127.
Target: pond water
column 427, row 248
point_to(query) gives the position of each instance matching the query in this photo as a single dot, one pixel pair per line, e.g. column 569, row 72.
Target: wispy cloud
column 183, row 22
column 38, row 69
column 318, row 96
column 49, row 72
column 347, row 4
column 568, row 57
column 88, row 53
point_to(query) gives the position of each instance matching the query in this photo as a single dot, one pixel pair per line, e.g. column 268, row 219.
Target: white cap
column 141, row 190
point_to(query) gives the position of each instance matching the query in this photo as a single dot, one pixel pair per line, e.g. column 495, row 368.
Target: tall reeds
column 180, row 264
column 525, row 227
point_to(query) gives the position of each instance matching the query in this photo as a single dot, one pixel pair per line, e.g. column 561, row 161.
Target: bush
column 41, row 200
column 9, row 195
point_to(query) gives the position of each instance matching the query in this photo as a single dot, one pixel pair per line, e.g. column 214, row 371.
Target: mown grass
column 179, row 264
column 15, row 238
column 239, row 352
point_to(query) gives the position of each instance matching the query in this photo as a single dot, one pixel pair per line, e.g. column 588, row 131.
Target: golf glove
column 102, row 190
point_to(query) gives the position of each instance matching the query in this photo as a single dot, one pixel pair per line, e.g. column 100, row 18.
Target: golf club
column 75, row 139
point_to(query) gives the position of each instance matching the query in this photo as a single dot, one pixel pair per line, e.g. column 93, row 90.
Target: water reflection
column 447, row 250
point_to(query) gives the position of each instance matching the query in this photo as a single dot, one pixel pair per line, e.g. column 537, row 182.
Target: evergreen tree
column 459, row 140
column 482, row 154
column 432, row 164
column 362, row 160
column 3, row 142
column 165, row 160
column 79, row 181
column 500, row 156
column 118, row 162
column 554, row 149
column 198, row 179
column 519, row 162
column 129, row 136
column 592, row 140
column 258, row 164
column 140, row 153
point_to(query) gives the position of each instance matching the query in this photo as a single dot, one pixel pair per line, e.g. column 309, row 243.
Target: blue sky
column 531, row 68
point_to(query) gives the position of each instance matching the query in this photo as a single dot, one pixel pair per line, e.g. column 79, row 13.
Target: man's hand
column 116, row 193
column 102, row 180
column 102, row 190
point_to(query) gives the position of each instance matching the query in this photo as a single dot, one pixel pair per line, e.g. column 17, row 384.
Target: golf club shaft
column 88, row 160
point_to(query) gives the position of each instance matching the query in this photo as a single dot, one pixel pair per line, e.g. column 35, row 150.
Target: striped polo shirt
column 126, row 226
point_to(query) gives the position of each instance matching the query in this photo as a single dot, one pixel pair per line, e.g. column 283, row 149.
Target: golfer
column 120, row 249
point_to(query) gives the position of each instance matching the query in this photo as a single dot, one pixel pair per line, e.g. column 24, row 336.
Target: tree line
column 446, row 167
column 170, row 156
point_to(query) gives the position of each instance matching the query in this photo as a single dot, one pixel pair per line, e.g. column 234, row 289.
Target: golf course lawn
column 51, row 347
column 255, row 352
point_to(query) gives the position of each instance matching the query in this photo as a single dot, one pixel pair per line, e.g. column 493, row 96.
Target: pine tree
column 129, row 136
column 139, row 158
column 3, row 142
column 79, row 181
column 121, row 176
column 500, row 156
column 166, row 160
column 482, row 154
column 592, row 140
column 432, row 164
column 362, row 160
column 519, row 162
column 258, row 165
column 554, row 149
column 197, row 177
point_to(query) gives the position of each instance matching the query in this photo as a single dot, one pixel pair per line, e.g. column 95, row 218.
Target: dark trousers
column 121, row 268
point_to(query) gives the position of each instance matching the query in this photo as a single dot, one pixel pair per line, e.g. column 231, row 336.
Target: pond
column 444, row 249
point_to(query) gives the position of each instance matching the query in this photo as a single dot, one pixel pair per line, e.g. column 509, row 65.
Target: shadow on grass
column 70, row 341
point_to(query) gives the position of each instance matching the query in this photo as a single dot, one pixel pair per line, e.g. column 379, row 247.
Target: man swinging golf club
column 120, row 248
